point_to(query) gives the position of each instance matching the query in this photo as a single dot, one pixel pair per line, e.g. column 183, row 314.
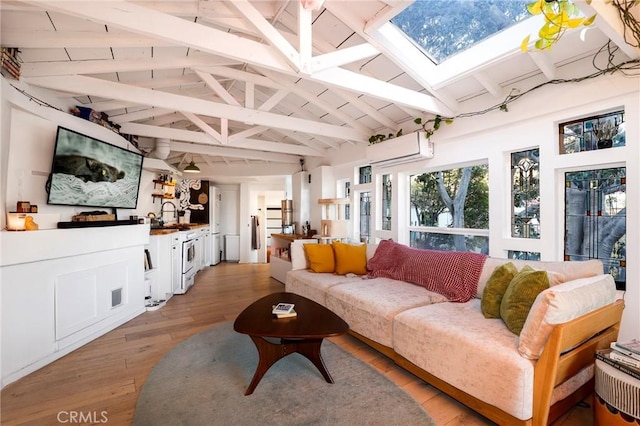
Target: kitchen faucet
column 175, row 212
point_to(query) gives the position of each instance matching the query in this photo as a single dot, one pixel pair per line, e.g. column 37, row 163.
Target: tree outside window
column 453, row 208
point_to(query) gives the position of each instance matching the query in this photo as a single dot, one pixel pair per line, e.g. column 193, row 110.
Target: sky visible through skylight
column 442, row 28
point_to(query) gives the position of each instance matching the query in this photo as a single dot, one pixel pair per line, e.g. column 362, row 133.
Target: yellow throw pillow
column 520, row 295
column 350, row 258
column 496, row 287
column 321, row 257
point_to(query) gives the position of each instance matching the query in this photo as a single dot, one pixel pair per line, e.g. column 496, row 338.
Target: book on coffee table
column 291, row 314
column 282, row 308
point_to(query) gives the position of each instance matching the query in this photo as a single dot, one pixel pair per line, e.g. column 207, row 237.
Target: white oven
column 188, row 261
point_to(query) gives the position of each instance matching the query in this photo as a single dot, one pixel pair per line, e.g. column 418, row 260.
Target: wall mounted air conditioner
column 404, row 149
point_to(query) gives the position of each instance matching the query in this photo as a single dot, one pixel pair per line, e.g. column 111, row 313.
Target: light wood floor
column 105, row 376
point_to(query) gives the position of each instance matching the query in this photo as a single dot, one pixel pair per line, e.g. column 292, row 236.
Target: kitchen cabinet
column 160, row 250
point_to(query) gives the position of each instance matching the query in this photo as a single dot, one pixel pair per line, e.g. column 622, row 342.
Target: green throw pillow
column 495, row 289
column 520, row 295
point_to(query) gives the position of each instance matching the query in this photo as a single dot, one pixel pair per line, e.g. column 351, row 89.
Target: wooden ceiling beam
column 107, row 89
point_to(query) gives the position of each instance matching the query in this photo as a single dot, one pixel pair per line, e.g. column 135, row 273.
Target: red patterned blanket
column 453, row 274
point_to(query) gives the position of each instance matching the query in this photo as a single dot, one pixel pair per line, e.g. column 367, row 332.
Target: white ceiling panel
column 76, row 54
column 43, row 55
column 86, row 49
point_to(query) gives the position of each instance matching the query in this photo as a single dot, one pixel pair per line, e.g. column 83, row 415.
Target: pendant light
column 191, row 168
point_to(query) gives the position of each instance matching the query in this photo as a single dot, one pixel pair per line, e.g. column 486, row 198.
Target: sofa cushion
column 321, row 257
column 314, row 286
column 450, row 273
column 299, row 259
column 560, row 304
column 454, row 342
column 520, row 295
column 570, row 270
column 296, row 252
column 350, row 258
column 495, row 289
column 370, row 305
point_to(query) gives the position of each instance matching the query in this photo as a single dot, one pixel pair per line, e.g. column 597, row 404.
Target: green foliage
column 559, row 16
column 429, row 131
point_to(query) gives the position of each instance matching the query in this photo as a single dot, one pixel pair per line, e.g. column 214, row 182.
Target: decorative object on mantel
column 23, row 207
column 30, row 224
column 93, row 216
column 15, row 221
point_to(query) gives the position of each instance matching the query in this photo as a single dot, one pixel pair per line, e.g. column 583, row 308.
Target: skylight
column 443, row 28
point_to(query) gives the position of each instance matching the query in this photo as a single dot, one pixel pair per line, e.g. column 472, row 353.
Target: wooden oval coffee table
column 302, row 334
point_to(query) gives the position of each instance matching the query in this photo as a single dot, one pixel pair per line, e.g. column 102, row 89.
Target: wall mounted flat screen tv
column 93, row 173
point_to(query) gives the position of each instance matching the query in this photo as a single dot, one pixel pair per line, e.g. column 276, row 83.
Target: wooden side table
column 617, row 397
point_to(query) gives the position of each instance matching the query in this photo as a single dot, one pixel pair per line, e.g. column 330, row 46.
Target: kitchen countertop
column 290, row 237
column 175, row 227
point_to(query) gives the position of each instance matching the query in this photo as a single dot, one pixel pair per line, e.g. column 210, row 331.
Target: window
column 525, row 194
column 449, row 209
column 593, row 133
column 365, row 217
column 386, row 202
column 595, row 219
column 347, row 194
column 443, row 28
column 364, row 174
column 523, row 255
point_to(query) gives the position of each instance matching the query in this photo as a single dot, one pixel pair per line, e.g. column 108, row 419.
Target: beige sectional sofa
column 531, row 378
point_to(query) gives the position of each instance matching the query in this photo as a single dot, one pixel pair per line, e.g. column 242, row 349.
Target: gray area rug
column 202, row 382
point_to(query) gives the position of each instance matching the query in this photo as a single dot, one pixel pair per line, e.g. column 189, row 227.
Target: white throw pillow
column 560, row 304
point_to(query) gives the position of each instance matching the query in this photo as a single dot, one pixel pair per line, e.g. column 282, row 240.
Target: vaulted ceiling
column 260, row 84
